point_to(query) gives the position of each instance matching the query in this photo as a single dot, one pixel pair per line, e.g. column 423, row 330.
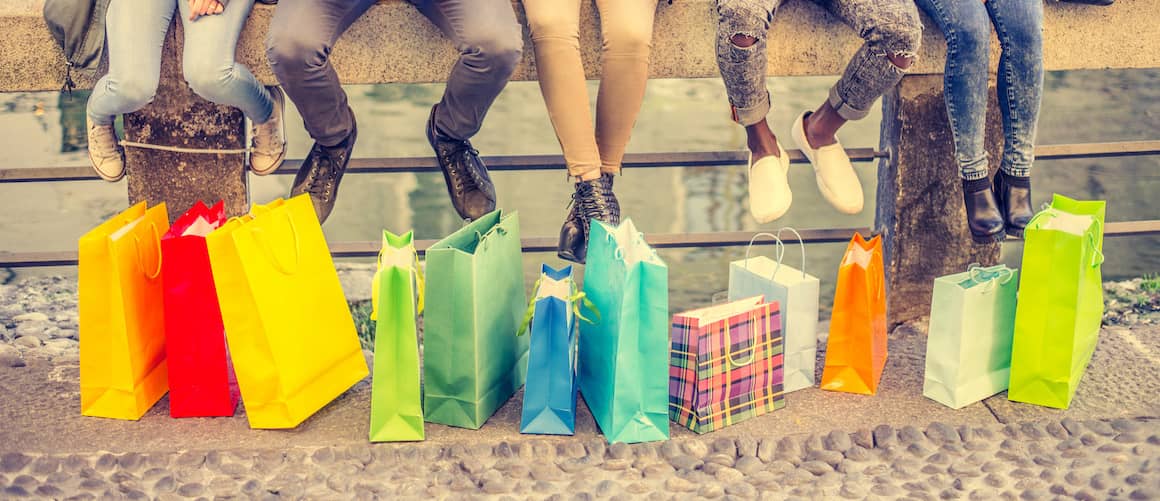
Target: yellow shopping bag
column 288, row 326
column 122, row 328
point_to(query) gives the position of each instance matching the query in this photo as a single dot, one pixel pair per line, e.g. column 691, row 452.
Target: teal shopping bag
column 797, row 294
column 473, row 362
column 968, row 348
column 624, row 356
column 1061, row 302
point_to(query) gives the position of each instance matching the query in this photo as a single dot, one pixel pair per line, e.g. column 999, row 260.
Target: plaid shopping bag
column 727, row 364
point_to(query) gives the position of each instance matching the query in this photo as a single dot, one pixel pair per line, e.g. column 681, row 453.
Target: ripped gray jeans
column 890, row 28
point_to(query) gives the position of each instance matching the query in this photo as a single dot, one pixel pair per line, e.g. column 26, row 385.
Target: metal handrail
column 360, row 249
column 632, row 160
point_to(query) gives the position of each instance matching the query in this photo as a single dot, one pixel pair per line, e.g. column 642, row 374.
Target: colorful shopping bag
column 122, row 324
column 201, row 382
column 856, row 349
column 553, row 320
column 727, row 364
column 288, row 326
column 473, row 362
column 968, row 348
column 624, row 356
column 796, row 292
column 1061, row 302
column 397, row 296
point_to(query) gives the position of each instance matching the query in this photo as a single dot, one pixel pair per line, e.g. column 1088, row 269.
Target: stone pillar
column 178, row 117
column 920, row 210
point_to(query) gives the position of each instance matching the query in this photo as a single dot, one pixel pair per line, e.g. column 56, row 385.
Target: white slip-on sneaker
column 269, row 138
column 105, row 152
column 832, row 169
column 769, row 194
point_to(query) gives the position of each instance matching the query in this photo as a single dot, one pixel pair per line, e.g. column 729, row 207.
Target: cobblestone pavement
column 823, row 445
column 1094, row 459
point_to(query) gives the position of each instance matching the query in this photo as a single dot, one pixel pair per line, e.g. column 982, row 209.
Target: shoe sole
column 1015, row 232
column 111, row 179
column 568, row 256
column 988, row 239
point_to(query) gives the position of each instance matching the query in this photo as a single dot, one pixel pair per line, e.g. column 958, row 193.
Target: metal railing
column 556, row 162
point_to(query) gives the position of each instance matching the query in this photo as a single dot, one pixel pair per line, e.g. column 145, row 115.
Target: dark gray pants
column 303, row 32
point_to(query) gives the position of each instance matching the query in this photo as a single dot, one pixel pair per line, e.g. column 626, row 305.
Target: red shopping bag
column 201, row 380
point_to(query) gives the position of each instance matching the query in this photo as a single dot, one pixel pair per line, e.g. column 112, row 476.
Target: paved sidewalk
column 822, row 445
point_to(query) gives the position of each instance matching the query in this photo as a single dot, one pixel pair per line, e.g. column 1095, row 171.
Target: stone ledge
column 393, row 43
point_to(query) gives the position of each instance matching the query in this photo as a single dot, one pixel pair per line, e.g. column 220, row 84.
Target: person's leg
column 892, row 31
column 490, row 43
column 208, row 61
column 626, row 27
column 741, row 56
column 1019, row 25
column 301, row 36
column 967, row 30
column 555, row 28
column 136, row 33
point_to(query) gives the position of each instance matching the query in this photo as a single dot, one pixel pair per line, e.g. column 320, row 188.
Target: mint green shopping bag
column 396, row 400
column 473, row 362
column 968, row 349
column 624, row 356
column 1061, row 302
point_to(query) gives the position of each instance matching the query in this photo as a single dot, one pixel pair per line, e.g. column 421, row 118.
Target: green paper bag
column 473, row 361
column 396, row 402
column 1061, row 302
column 968, row 349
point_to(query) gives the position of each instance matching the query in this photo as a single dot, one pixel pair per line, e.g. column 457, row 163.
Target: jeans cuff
column 843, row 107
column 974, row 170
column 753, row 114
column 1016, row 171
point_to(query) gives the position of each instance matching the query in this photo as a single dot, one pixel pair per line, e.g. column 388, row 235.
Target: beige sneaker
column 269, row 138
column 105, row 152
column 769, row 194
column 833, row 171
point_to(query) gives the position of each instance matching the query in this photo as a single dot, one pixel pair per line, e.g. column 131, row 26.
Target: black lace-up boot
column 322, row 172
column 592, row 200
column 468, row 183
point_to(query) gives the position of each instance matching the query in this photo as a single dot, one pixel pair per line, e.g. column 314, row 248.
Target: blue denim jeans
column 136, row 34
column 967, row 27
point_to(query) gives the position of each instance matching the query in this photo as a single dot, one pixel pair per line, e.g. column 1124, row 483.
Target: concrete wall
column 393, row 43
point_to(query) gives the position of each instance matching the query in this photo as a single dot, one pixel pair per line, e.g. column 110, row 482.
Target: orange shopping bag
column 122, row 327
column 856, row 350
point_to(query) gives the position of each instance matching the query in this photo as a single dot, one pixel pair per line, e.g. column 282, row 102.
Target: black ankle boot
column 983, row 217
column 592, row 200
column 1014, row 197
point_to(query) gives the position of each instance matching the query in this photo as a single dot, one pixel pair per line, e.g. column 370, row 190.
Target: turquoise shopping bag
column 624, row 356
column 968, row 348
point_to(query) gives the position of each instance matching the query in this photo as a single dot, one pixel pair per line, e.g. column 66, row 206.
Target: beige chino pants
column 626, row 28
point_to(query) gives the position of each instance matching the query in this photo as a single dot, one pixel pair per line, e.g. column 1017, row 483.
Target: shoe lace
column 266, row 137
column 103, row 142
column 321, row 180
column 590, row 201
column 462, row 181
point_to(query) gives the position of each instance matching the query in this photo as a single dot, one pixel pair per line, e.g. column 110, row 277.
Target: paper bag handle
column 157, row 243
column 273, row 257
column 729, row 354
column 989, row 275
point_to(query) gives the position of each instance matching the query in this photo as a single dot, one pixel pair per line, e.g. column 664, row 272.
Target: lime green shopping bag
column 396, row 401
column 1061, row 302
column 473, row 361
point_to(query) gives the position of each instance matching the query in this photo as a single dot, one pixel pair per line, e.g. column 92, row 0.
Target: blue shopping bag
column 552, row 383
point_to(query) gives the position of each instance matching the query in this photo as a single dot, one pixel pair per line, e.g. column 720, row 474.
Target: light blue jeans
column 967, row 27
column 136, row 34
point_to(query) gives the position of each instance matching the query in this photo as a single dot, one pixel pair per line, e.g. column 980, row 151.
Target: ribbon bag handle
column 989, row 275
column 157, row 245
column 779, row 253
column 273, row 258
column 577, row 299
